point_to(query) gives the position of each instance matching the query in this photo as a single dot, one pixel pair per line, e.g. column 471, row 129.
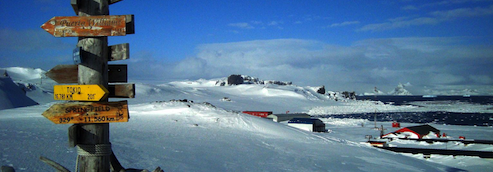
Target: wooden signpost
column 77, row 26
column 90, row 132
column 80, row 92
column 88, row 112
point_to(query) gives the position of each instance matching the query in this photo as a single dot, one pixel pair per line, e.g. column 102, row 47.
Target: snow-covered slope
column 24, row 74
column 376, row 91
column 37, row 86
column 11, row 95
column 185, row 136
column 209, row 134
column 241, row 97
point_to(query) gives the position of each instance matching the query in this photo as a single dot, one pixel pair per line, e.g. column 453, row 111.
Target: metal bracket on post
column 77, row 55
column 73, row 133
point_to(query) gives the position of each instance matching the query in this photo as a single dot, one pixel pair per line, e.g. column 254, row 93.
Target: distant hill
column 11, row 95
column 245, row 79
column 400, row 90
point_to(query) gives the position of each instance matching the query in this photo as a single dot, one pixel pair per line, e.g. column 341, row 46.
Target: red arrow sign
column 86, row 26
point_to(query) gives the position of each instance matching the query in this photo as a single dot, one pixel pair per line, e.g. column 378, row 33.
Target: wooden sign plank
column 119, row 52
column 117, row 73
column 122, row 91
column 64, row 73
column 75, row 6
column 70, row 73
column 130, row 24
column 80, row 26
column 88, row 112
column 80, row 92
column 113, row 1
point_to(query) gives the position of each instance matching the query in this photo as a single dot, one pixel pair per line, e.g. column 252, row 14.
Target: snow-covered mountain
column 36, row 85
column 206, row 132
column 11, row 94
column 376, row 91
column 400, row 90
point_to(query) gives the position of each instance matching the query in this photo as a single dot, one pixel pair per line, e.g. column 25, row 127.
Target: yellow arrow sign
column 88, row 112
column 80, row 92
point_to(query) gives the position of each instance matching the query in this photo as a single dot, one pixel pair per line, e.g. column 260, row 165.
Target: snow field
column 228, row 141
column 186, row 136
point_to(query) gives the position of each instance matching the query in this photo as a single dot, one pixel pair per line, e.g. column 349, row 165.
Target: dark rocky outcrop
column 321, row 90
column 235, row 80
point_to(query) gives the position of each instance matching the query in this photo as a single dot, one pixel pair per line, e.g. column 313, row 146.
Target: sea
column 436, row 117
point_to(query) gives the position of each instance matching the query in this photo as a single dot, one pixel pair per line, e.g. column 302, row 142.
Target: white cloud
column 30, row 40
column 241, row 25
column 445, row 79
column 383, row 73
column 400, row 24
column 344, row 23
column 256, row 22
column 435, row 17
column 275, row 23
column 482, row 79
column 463, row 12
column 34, row 48
column 409, row 7
column 428, row 62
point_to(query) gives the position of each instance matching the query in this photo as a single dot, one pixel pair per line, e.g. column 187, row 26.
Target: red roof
column 262, row 114
column 420, row 130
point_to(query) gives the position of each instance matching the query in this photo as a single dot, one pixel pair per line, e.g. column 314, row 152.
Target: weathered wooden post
column 94, row 138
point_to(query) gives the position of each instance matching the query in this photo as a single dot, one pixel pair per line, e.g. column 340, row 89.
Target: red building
column 396, row 124
column 414, row 132
column 262, row 114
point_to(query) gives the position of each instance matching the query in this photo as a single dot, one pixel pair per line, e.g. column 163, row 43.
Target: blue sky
column 434, row 47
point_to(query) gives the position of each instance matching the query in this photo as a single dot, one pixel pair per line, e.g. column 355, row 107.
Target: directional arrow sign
column 74, row 26
column 88, row 112
column 80, row 92
column 70, row 73
column 121, row 91
column 64, row 73
column 119, row 52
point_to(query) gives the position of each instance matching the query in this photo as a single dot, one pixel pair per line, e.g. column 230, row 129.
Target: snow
column 400, row 90
column 11, row 95
column 206, row 133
